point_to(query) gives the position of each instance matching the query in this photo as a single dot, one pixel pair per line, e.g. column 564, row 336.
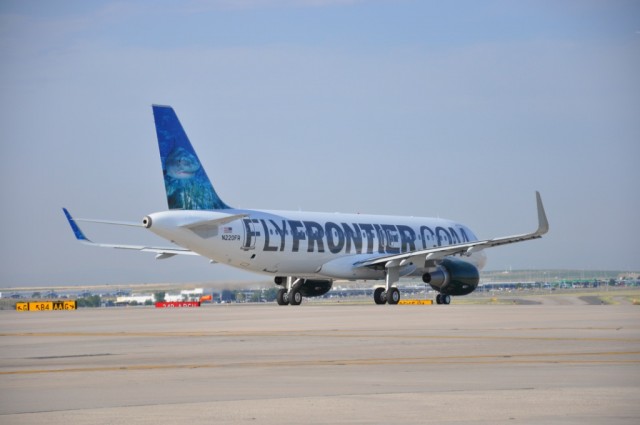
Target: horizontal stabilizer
column 161, row 252
column 210, row 228
column 115, row 223
column 215, row 222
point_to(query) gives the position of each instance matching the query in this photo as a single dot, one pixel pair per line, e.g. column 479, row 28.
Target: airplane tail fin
column 186, row 182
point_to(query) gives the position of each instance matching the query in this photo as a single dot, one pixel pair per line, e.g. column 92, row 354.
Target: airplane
column 305, row 251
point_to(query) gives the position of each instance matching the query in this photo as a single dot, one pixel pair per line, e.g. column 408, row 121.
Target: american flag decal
column 227, row 229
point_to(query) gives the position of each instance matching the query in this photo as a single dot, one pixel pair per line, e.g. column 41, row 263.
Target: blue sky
column 456, row 109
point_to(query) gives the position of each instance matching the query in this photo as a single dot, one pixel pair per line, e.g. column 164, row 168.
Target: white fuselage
column 310, row 245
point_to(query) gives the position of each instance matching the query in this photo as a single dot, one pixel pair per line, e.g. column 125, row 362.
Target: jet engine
column 453, row 277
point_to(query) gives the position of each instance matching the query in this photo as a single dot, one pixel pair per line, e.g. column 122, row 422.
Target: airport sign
column 46, row 305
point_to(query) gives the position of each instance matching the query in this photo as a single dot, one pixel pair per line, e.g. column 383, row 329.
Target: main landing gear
column 381, row 296
column 389, row 294
column 290, row 295
column 443, row 299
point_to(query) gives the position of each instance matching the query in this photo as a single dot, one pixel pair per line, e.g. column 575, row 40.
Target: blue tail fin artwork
column 186, row 182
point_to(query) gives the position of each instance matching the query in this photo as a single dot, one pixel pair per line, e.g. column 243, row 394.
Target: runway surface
column 264, row 364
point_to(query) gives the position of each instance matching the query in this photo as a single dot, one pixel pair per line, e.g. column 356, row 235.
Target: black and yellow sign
column 46, row 306
column 416, row 302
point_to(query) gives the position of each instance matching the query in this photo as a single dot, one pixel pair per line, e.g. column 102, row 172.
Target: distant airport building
column 134, row 299
column 184, row 295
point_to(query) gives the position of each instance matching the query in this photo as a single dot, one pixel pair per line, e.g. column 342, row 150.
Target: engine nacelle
column 315, row 288
column 453, row 277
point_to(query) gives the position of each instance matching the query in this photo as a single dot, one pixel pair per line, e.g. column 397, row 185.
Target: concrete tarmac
column 319, row 364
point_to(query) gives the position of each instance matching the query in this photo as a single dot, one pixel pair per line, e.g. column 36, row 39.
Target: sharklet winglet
column 74, row 226
column 543, row 223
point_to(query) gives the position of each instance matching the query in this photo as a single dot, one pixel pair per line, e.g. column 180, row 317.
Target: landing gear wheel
column 295, row 297
column 282, row 297
column 393, row 296
column 438, row 299
column 446, row 299
column 379, row 296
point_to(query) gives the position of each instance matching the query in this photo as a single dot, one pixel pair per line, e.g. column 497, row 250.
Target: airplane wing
column 161, row 252
column 435, row 254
